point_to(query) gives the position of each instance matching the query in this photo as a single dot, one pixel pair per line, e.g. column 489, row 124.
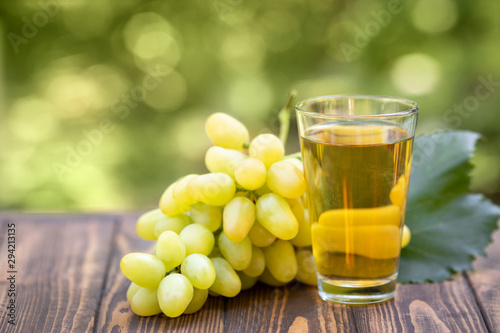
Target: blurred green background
column 103, row 102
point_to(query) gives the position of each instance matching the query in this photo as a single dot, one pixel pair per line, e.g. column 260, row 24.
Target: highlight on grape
column 221, row 232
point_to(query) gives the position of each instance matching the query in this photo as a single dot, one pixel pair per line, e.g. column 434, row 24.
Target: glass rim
column 412, row 106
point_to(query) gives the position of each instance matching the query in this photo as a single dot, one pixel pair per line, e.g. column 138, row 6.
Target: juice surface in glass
column 357, row 174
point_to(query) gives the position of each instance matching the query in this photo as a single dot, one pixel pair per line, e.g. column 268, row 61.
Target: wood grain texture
column 61, row 262
column 439, row 307
column 485, row 281
column 295, row 307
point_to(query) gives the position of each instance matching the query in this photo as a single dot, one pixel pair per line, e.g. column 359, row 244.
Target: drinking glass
column 357, row 153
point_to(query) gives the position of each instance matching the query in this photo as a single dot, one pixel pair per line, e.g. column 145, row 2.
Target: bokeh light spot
column 73, row 94
column 32, row 119
column 434, row 16
column 416, row 73
column 23, row 167
column 153, row 44
column 150, row 36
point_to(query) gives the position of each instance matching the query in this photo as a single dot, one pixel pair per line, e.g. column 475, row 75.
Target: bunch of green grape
column 221, row 232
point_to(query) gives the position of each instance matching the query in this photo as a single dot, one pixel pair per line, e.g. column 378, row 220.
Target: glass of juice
column 357, row 153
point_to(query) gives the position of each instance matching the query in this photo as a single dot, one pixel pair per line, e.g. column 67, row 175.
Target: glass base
column 357, row 292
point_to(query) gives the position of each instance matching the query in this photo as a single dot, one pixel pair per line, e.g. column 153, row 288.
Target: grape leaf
column 449, row 226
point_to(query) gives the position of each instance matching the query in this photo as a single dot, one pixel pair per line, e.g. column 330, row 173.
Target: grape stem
column 284, row 116
column 174, row 270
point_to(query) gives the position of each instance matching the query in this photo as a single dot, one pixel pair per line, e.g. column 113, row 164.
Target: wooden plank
column 440, row 307
column 485, row 281
column 61, row 263
column 295, row 308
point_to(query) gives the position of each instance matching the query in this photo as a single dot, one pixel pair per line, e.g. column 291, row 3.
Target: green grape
column 225, row 131
column 198, row 268
column 303, row 237
column 406, row 236
column 223, row 160
column 173, row 223
column 274, row 213
column 270, row 280
column 198, row 239
column 199, row 298
column 281, row 261
column 297, row 162
column 143, row 301
column 250, row 174
column 215, row 189
column 238, row 218
column 180, row 192
column 170, row 249
column 247, row 282
column 132, row 289
column 259, row 236
column 209, row 216
column 258, row 263
column 306, row 272
column 145, row 270
column 267, row 148
column 146, row 223
column 175, row 292
column 227, row 283
column 238, row 254
column 168, row 205
column 285, row 179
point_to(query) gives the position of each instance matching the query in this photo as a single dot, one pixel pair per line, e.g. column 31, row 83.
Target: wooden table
column 67, row 279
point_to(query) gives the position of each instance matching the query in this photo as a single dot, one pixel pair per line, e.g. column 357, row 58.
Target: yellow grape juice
column 357, row 175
